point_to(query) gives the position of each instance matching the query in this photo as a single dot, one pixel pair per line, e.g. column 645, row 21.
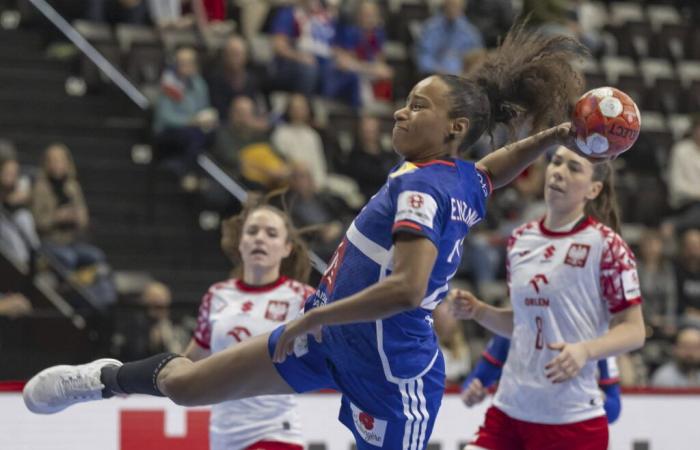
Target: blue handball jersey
column 439, row 200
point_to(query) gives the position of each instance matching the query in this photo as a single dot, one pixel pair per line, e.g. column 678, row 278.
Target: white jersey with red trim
column 563, row 288
column 232, row 312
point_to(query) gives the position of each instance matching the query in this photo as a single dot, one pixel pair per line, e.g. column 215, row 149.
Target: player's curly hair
column 296, row 266
column 529, row 75
column 604, row 208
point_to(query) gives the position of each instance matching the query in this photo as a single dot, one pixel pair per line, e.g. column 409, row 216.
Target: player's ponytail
column 604, row 208
column 296, row 266
column 529, row 75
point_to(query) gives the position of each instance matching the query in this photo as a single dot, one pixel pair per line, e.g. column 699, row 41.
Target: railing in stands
column 96, row 57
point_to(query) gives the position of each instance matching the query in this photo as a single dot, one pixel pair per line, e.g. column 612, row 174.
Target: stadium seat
column 261, row 50
column 145, row 63
column 689, row 72
column 129, row 35
column 668, row 92
column 621, row 12
column 635, row 87
column 94, row 31
column 653, row 69
column 669, row 42
column 679, row 124
column 660, row 15
column 615, row 66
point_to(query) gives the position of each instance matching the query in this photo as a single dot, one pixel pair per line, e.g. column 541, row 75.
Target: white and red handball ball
column 606, row 122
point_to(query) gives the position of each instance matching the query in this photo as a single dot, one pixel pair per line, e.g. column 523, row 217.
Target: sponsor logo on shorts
column 371, row 429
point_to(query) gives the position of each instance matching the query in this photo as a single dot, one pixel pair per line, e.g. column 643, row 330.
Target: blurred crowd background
column 113, row 181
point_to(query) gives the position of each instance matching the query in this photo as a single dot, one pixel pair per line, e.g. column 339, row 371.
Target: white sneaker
column 56, row 388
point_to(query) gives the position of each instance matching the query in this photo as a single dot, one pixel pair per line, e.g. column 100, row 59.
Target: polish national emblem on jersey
column 577, row 255
column 277, row 310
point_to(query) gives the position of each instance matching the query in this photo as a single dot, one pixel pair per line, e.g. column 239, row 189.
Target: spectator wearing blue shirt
column 445, row 39
column 302, row 38
column 359, row 58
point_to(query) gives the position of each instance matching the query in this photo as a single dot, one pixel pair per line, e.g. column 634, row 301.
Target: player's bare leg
column 244, row 370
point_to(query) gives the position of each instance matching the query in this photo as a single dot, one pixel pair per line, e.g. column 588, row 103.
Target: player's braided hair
column 529, row 75
column 296, row 266
column 604, row 207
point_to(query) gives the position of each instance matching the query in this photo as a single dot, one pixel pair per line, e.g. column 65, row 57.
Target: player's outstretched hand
column 464, row 305
column 474, row 394
column 568, row 363
column 300, row 327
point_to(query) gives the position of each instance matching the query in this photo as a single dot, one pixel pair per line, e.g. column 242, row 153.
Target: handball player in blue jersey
column 367, row 331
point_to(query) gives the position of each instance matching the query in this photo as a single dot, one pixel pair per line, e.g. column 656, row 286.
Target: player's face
column 421, row 126
column 264, row 241
column 569, row 182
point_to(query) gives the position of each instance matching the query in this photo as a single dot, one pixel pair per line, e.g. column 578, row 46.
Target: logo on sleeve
column 370, row 428
column 276, row 310
column 630, row 284
column 417, row 207
column 577, row 255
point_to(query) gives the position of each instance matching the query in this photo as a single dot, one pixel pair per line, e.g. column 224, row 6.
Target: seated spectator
column 683, row 371
column 62, row 220
column 233, row 77
column 302, row 37
column 18, row 236
column 368, row 163
column 493, row 18
column 299, row 142
column 657, row 279
column 310, row 208
column 688, row 276
column 13, row 305
column 118, row 11
column 183, row 120
column 445, row 39
column 562, row 17
column 243, row 148
column 683, row 186
column 171, row 14
column 360, row 74
column 151, row 330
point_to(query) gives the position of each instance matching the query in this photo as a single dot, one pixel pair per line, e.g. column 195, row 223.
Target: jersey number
column 539, row 340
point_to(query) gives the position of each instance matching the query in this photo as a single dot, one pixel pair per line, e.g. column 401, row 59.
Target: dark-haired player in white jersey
column 575, row 300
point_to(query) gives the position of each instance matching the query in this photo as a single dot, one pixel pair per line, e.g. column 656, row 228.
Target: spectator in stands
column 152, row 331
column 445, row 39
column 302, row 38
column 360, row 73
column 14, row 305
column 253, row 14
column 18, row 236
column 299, row 142
column 243, row 148
column 233, row 77
column 62, row 220
column 118, row 11
column 369, row 163
column 493, row 18
column 657, row 279
column 684, row 370
column 310, row 208
column 183, row 14
column 562, row 17
column 683, row 186
column 183, row 119
column 688, row 275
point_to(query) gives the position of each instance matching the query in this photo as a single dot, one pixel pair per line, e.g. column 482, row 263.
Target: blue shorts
column 380, row 413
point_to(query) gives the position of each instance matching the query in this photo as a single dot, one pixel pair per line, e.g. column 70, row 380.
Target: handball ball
column 606, row 122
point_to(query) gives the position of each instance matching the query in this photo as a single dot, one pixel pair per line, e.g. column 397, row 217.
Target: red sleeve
column 202, row 334
column 619, row 282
